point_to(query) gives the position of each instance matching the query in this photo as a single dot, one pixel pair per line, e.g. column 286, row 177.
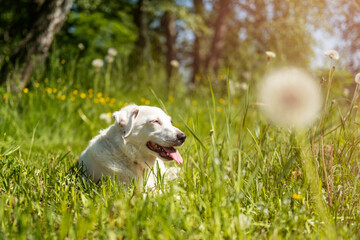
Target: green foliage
column 242, row 178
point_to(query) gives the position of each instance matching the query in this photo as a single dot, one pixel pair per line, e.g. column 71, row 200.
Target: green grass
column 241, row 177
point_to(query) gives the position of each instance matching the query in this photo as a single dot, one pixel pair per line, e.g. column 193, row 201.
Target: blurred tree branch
column 34, row 47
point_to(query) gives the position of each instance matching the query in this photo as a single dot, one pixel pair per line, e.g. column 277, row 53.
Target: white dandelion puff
column 333, row 54
column 270, row 54
column 357, row 78
column 109, row 58
column 97, row 63
column 112, row 52
column 81, row 46
column 290, row 97
column 241, row 222
column 244, row 86
column 175, row 63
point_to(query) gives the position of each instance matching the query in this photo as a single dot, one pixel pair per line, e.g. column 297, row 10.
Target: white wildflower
column 175, row 63
column 109, row 58
column 244, row 86
column 81, row 46
column 357, row 78
column 242, row 221
column 106, row 117
column 291, row 97
column 97, row 63
column 112, row 52
column 346, row 92
column 333, row 54
column 270, row 54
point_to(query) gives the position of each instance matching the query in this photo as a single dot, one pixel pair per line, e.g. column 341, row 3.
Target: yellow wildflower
column 147, row 102
column 112, row 100
column 96, row 100
column 83, row 95
column 219, row 109
column 49, row 90
column 55, row 90
column 142, row 100
column 99, row 95
column 222, row 101
column 102, row 100
column 62, row 97
column 91, row 90
column 171, row 98
column 63, row 61
column 75, row 92
column 26, row 90
column 236, row 101
column 109, row 114
column 37, row 84
column 194, row 102
column 72, row 99
column 4, row 96
column 296, row 196
column 91, row 95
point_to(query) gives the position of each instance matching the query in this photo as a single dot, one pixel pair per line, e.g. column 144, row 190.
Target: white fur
column 120, row 150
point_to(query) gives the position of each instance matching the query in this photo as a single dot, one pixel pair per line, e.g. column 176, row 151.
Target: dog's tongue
column 174, row 154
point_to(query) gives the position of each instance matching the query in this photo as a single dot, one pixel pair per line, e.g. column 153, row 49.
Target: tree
column 168, row 23
column 199, row 8
column 348, row 22
column 218, row 40
column 34, row 47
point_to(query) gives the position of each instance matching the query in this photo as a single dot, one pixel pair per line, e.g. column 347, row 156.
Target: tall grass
column 241, row 177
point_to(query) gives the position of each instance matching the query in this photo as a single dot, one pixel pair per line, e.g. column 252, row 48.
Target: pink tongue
column 174, row 154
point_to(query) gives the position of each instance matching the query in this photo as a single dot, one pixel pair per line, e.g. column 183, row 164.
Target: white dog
column 139, row 137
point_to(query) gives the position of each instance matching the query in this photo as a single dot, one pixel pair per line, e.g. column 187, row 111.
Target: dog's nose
column 181, row 136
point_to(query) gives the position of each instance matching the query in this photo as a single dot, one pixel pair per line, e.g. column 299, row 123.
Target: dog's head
column 151, row 130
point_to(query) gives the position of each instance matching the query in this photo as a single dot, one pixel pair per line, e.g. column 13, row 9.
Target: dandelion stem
column 322, row 128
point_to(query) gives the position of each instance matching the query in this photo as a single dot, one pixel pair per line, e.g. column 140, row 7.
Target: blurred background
column 172, row 45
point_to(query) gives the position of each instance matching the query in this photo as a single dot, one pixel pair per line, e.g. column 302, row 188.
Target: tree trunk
column 142, row 43
column 35, row 46
column 198, row 5
column 218, row 42
column 169, row 26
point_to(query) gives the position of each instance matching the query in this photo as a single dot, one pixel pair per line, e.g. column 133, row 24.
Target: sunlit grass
column 241, row 177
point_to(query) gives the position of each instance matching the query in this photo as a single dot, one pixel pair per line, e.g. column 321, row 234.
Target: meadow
column 242, row 177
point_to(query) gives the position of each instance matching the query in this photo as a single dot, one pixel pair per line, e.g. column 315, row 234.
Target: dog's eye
column 156, row 121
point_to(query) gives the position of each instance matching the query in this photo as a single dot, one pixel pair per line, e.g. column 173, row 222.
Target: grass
column 241, row 178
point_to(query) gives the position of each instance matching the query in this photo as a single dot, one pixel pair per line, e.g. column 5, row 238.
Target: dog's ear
column 125, row 118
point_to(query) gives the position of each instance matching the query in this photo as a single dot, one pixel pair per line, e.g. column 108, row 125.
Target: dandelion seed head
column 175, row 63
column 109, row 58
column 81, row 46
column 270, row 54
column 97, row 63
column 112, row 52
column 243, row 221
column 290, row 98
column 333, row 54
column 357, row 78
